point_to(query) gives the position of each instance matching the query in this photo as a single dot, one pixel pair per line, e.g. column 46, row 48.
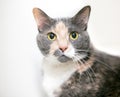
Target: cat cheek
column 43, row 44
column 53, row 48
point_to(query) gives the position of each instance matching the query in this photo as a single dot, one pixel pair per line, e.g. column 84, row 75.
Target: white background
column 19, row 56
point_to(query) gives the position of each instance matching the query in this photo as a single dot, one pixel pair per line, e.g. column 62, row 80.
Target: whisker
column 90, row 70
column 82, row 50
column 87, row 72
column 89, row 66
column 103, row 63
column 74, row 61
column 106, row 65
column 77, row 65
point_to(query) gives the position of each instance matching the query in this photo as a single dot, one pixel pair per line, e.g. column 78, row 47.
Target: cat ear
column 82, row 17
column 42, row 19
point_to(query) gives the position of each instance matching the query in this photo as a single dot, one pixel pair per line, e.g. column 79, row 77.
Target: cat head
column 63, row 38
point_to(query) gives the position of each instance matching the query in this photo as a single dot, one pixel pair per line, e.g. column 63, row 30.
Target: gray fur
column 61, row 57
column 58, row 53
column 102, row 79
column 43, row 44
column 64, row 58
column 83, row 41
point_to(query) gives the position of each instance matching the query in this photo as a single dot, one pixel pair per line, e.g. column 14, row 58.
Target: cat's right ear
column 42, row 19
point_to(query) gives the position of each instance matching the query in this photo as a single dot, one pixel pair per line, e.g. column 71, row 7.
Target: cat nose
column 63, row 48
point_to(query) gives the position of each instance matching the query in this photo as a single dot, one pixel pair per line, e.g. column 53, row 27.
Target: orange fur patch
column 83, row 67
column 62, row 36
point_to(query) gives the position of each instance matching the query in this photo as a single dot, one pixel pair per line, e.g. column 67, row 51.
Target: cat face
column 63, row 38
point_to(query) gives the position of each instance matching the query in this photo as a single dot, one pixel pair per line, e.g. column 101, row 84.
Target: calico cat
column 72, row 67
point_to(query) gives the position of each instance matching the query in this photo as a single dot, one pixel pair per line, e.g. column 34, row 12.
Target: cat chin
column 64, row 59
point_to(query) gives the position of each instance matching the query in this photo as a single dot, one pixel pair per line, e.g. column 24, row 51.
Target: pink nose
column 63, row 48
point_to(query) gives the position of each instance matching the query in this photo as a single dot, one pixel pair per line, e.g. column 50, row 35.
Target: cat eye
column 74, row 35
column 51, row 36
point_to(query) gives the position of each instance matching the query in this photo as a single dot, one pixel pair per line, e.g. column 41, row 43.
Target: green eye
column 74, row 35
column 51, row 36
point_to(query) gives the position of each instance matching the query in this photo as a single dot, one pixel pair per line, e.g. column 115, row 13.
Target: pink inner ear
column 83, row 15
column 41, row 22
column 40, row 17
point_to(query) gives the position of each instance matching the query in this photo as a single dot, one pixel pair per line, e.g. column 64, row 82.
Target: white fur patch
column 55, row 74
column 70, row 52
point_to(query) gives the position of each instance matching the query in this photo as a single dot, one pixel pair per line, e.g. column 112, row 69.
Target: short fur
column 74, row 68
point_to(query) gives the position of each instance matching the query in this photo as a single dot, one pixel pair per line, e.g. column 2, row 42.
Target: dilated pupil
column 74, row 35
column 51, row 35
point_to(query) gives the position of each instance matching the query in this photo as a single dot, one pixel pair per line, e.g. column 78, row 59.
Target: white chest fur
column 55, row 74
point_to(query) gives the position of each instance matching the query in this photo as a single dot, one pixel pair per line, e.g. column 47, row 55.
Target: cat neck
column 55, row 74
column 54, row 68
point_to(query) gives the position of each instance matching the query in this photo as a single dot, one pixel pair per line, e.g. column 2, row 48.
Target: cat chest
column 52, row 83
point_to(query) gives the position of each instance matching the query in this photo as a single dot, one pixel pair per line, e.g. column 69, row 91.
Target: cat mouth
column 63, row 58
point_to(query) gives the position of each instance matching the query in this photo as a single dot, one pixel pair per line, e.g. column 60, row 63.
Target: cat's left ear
column 82, row 17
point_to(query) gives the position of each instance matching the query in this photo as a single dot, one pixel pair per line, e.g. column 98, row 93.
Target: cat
column 72, row 66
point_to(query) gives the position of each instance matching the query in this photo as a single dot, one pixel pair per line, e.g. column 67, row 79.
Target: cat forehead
column 60, row 25
column 60, row 28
